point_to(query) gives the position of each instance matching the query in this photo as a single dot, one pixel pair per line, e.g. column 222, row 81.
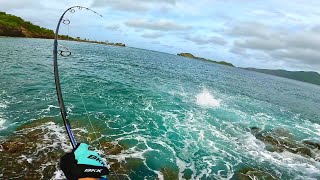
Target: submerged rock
column 29, row 153
column 253, row 173
column 169, row 173
column 255, row 130
column 33, row 151
column 187, row 174
column 12, row 146
column 280, row 140
column 311, row 144
column 112, row 149
column 303, row 151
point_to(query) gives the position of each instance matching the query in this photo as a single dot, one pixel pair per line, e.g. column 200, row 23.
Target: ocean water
column 172, row 112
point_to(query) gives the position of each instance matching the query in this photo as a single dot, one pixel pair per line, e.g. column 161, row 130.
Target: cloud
column 250, row 29
column 161, row 25
column 125, row 5
column 14, row 5
column 307, row 39
column 133, row 5
column 298, row 55
column 114, row 27
column 261, row 44
column 152, row 35
column 203, row 40
column 238, row 50
column 292, row 47
column 272, row 13
column 316, row 29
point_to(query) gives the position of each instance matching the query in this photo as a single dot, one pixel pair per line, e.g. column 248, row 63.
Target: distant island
column 305, row 76
column 189, row 55
column 14, row 26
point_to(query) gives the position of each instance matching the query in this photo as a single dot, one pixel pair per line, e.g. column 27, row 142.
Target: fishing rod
column 64, row 52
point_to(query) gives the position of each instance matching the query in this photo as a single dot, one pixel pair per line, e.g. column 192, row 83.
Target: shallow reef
column 277, row 140
column 280, row 140
column 34, row 149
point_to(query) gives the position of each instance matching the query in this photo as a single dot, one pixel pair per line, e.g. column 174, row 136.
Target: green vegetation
column 189, row 55
column 305, row 76
column 14, row 26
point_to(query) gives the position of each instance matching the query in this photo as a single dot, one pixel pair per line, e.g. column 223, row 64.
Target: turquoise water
column 189, row 115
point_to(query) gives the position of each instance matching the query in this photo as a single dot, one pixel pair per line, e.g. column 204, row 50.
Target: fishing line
column 64, row 51
column 87, row 114
column 95, row 133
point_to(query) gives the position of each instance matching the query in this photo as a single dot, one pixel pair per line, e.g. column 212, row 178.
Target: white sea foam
column 2, row 105
column 2, row 121
column 205, row 98
column 317, row 129
column 25, row 158
column 148, row 105
column 58, row 175
column 294, row 162
column 201, row 135
column 49, row 108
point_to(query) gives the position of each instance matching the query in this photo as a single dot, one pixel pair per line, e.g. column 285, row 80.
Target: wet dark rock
column 252, row 173
column 282, row 133
column 187, row 174
column 12, row 146
column 30, row 153
column 255, row 130
column 169, row 173
column 280, row 140
column 128, row 143
column 132, row 165
column 303, row 151
column 311, row 144
column 111, row 148
column 23, row 158
column 35, row 134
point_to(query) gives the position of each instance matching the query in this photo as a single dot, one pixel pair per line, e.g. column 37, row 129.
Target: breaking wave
column 2, row 119
column 206, row 99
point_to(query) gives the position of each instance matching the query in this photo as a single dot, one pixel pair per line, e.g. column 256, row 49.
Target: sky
column 273, row 34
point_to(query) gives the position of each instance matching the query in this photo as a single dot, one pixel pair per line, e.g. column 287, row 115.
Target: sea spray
column 2, row 120
column 205, row 98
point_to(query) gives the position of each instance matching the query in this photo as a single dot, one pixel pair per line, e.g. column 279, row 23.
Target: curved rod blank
column 56, row 73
